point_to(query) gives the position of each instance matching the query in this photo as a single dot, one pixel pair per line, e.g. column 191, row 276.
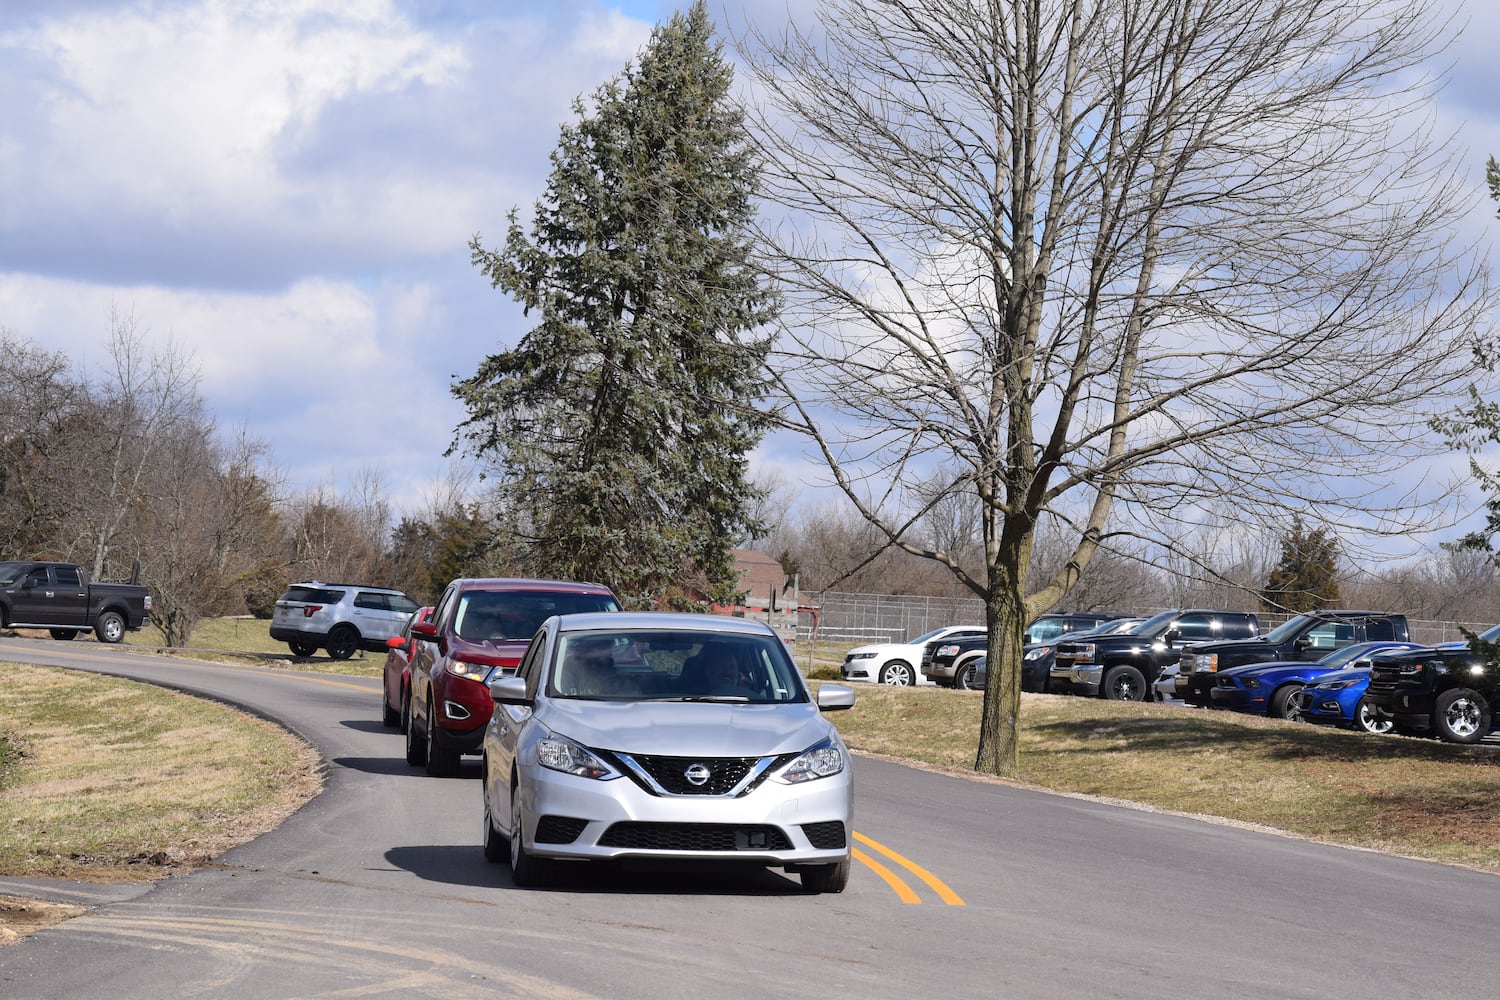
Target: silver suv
column 341, row 617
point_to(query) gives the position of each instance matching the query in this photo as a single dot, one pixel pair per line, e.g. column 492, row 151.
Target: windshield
column 1155, row 625
column 1347, row 655
column 1286, row 630
column 496, row 615
column 674, row 665
column 929, row 636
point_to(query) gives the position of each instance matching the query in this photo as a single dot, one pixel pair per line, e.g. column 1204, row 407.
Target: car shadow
column 369, row 726
column 469, row 769
column 466, row 865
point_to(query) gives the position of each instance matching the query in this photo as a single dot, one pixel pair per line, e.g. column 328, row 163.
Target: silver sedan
column 664, row 736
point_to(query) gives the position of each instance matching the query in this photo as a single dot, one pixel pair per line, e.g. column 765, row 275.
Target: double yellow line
column 896, row 882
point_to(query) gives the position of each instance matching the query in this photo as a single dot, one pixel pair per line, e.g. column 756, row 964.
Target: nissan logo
column 697, row 775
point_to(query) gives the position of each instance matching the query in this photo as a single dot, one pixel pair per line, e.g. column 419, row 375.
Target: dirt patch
column 20, row 916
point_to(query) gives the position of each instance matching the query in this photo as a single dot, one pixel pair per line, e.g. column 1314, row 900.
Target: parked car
column 612, row 743
column 1122, row 667
column 397, row 673
column 478, row 627
column 60, row 598
column 953, row 662
column 898, row 663
column 342, row 618
column 1306, row 637
column 1447, row 691
column 1338, row 699
column 1270, row 688
column 1037, row 660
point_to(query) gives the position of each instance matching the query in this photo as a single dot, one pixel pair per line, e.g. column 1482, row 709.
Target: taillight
column 311, row 610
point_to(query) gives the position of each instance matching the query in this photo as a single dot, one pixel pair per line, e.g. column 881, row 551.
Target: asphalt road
column 965, row 888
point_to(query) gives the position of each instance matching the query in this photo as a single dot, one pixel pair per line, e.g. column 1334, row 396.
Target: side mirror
column 425, row 631
column 1172, row 635
column 509, row 690
column 835, row 697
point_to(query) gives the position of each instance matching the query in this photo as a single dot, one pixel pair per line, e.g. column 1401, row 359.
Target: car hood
column 887, row 649
column 1347, row 674
column 687, row 729
column 498, row 652
column 1256, row 668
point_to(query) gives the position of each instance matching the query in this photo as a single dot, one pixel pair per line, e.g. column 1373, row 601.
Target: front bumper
column 1072, row 677
column 1238, row 699
column 571, row 817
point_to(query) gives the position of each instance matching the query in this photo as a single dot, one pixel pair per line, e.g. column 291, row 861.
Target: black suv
column 1449, row 691
column 340, row 617
column 1307, row 637
column 1123, row 667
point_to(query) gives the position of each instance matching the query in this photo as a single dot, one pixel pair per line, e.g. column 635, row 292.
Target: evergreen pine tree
column 1306, row 576
column 618, row 427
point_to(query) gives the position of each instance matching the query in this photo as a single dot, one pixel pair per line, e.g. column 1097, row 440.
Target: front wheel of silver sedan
column 496, row 848
column 825, row 878
column 525, row 870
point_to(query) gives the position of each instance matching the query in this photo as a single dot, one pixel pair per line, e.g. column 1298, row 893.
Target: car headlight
column 949, row 650
column 1337, row 685
column 469, row 671
column 558, row 753
column 822, row 760
column 1038, row 653
column 1250, row 682
column 861, row 656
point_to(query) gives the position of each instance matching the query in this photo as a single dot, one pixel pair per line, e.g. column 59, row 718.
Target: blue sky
column 286, row 190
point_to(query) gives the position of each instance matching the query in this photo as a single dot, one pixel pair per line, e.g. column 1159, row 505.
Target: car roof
column 347, row 586
column 619, row 621
column 534, row 586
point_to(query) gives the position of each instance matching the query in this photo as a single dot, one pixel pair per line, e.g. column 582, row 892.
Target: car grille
column 695, row 837
column 671, row 773
column 559, row 829
column 825, row 836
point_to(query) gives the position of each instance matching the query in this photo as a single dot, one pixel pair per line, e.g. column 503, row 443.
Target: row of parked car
column 1353, row 668
column 605, row 735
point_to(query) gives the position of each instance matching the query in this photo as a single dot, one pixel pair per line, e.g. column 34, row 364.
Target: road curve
column 378, row 888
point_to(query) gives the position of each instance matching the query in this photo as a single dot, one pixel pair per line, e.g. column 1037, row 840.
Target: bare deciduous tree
column 1108, row 255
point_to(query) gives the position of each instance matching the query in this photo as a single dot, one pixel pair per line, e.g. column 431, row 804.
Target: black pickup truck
column 1306, row 637
column 1449, row 691
column 59, row 597
column 1123, row 667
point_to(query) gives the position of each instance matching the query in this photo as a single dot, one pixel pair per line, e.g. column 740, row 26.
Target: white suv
column 341, row 617
column 898, row 663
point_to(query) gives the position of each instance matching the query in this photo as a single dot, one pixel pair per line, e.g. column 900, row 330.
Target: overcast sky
column 286, row 190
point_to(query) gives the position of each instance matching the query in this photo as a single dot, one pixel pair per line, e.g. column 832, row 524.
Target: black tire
column 1368, row 720
column 442, row 762
column 1283, row 705
column 63, row 634
column 416, row 743
column 389, row 717
column 963, row 677
column 302, row 648
column 405, row 709
column 1460, row 715
column 898, row 673
column 525, row 870
column 1124, row 683
column 343, row 642
column 496, row 847
column 825, row 878
column 110, row 627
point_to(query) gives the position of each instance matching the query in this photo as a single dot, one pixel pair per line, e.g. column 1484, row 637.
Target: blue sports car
column 1338, row 700
column 1267, row 688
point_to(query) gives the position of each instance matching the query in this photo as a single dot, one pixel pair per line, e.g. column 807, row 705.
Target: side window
column 401, row 603
column 1240, row 627
column 1197, row 628
column 371, row 602
column 1043, row 630
column 36, row 578
column 1324, row 636
column 443, row 616
column 67, row 576
column 530, row 667
column 1380, row 628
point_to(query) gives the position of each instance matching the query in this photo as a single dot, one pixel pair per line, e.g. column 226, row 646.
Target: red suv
column 480, row 627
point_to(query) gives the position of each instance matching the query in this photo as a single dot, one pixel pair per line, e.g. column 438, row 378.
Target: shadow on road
column 466, row 865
